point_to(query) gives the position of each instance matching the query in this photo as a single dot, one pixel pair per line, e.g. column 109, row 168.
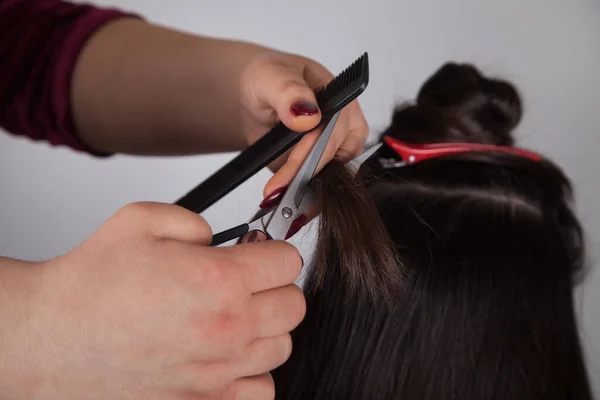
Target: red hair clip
column 414, row 153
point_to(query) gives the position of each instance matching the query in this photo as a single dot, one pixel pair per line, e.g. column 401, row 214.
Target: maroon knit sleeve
column 40, row 41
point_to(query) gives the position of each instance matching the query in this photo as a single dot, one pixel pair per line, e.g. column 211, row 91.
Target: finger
column 300, row 152
column 346, row 142
column 264, row 355
column 353, row 145
column 277, row 311
column 283, row 88
column 357, row 134
column 316, row 76
column 350, row 124
column 353, row 121
column 166, row 221
column 292, row 163
column 266, row 265
column 260, row 387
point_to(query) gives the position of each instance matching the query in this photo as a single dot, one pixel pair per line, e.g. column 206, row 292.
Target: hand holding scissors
column 297, row 200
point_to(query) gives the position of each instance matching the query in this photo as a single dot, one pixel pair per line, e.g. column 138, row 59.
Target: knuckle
column 223, row 274
column 284, row 348
column 203, row 378
column 135, row 207
column 234, row 292
column 291, row 259
column 299, row 307
column 200, row 227
column 137, row 216
column 293, row 87
column 225, row 323
column 138, row 210
column 252, row 389
column 224, row 330
column 217, row 273
column 363, row 132
column 268, row 390
column 359, row 132
column 228, row 327
column 264, row 390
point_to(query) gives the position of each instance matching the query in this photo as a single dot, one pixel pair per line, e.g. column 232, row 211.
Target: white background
column 51, row 199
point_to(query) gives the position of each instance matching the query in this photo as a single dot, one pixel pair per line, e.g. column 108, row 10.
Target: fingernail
column 304, row 108
column 296, row 226
column 273, row 199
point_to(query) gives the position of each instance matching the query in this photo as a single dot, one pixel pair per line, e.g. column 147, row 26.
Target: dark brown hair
column 477, row 252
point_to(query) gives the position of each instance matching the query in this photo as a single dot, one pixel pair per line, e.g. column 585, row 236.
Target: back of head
column 447, row 279
column 458, row 104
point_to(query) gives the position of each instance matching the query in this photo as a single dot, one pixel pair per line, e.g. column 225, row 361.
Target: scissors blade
column 289, row 207
column 357, row 161
column 309, row 198
column 307, row 170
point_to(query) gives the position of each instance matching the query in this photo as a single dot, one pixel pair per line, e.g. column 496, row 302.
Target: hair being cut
column 448, row 279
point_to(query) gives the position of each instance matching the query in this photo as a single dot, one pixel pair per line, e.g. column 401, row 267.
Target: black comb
column 338, row 93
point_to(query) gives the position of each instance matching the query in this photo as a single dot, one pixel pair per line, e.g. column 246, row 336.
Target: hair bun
column 488, row 107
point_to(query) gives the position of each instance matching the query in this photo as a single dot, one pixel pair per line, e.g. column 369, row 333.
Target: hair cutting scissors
column 297, row 199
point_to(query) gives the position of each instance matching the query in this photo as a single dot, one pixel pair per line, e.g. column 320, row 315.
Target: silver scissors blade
column 308, row 168
column 309, row 198
column 357, row 161
column 289, row 206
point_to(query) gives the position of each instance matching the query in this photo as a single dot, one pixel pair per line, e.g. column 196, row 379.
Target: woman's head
column 447, row 279
column 457, row 103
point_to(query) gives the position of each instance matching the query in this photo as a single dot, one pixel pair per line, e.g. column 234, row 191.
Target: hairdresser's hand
column 280, row 87
column 141, row 88
column 144, row 309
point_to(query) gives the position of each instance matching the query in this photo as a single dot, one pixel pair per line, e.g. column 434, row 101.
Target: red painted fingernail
column 296, row 226
column 304, row 108
column 273, row 199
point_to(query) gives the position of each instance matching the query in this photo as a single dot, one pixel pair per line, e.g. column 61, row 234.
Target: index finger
column 346, row 142
column 267, row 265
column 300, row 151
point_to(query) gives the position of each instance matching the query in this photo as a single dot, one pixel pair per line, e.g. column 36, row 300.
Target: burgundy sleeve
column 40, row 41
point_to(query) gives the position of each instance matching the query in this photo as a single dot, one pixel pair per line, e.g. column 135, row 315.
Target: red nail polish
column 304, row 108
column 296, row 226
column 273, row 199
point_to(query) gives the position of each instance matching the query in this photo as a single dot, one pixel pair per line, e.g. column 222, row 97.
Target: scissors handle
column 229, row 234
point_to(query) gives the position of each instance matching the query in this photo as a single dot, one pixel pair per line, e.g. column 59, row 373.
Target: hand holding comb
column 342, row 90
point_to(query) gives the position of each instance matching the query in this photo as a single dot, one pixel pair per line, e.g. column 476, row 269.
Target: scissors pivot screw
column 286, row 212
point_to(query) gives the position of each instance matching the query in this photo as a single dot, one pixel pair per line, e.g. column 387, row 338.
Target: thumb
column 285, row 90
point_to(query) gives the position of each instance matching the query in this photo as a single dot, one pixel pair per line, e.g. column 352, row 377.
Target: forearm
column 40, row 42
column 144, row 89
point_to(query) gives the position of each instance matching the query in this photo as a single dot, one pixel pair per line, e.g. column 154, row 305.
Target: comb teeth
column 340, row 91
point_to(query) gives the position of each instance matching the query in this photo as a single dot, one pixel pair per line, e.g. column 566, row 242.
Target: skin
column 144, row 308
column 143, row 89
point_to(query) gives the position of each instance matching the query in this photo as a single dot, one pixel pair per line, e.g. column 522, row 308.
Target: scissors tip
column 364, row 156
